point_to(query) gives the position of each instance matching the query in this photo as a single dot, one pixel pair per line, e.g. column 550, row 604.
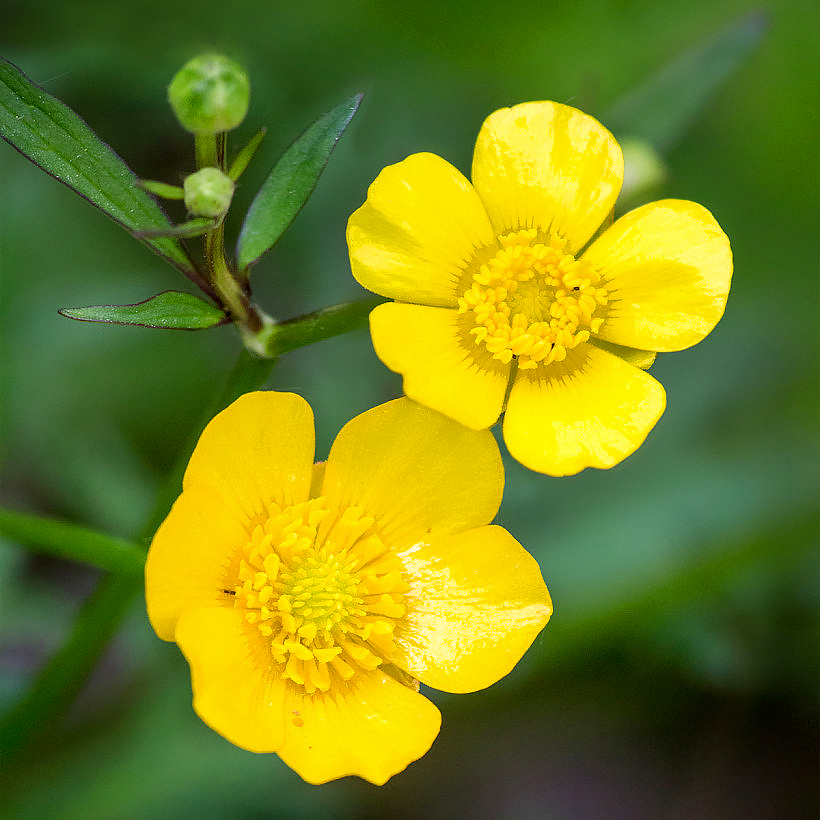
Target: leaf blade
column 290, row 183
column 55, row 138
column 662, row 109
column 169, row 310
column 73, row 542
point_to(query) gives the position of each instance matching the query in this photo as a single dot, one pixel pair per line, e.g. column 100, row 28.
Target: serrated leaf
column 52, row 136
column 291, row 182
column 170, row 310
column 661, row 110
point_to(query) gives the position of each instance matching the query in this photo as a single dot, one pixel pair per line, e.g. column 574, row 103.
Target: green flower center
column 532, row 301
column 323, row 592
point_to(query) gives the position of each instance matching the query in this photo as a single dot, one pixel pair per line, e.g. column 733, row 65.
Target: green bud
column 643, row 168
column 208, row 192
column 210, row 94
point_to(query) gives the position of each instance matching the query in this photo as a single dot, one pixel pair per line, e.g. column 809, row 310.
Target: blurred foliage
column 679, row 673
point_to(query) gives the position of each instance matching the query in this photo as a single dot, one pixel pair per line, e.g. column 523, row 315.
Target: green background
column 678, row 676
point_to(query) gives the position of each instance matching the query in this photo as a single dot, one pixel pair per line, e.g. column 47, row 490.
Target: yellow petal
column 440, row 368
column 189, row 557
column 667, row 267
column 415, row 471
column 476, row 603
column 416, row 232
column 373, row 727
column 547, row 166
column 258, row 450
column 232, row 692
column 591, row 410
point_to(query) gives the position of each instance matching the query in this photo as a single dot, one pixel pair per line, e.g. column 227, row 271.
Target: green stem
column 280, row 338
column 205, row 147
column 210, row 153
column 229, row 290
column 61, row 680
column 73, row 542
column 63, row 676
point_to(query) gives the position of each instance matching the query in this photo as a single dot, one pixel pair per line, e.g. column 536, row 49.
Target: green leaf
column 661, row 110
column 291, row 182
column 170, row 310
column 73, row 542
column 52, row 136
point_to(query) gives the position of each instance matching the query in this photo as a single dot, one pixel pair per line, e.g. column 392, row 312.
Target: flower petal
column 591, row 410
column 373, row 727
column 417, row 472
column 232, row 691
column 416, row 232
column 258, row 450
column 667, row 267
column 426, row 346
column 476, row 603
column 189, row 557
column 547, row 166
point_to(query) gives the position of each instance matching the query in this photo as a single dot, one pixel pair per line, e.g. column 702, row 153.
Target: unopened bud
column 210, row 94
column 643, row 169
column 208, row 192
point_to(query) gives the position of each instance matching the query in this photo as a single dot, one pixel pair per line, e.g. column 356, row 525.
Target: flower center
column 324, row 593
column 532, row 300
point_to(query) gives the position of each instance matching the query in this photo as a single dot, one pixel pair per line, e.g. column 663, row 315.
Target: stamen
column 550, row 295
column 322, row 592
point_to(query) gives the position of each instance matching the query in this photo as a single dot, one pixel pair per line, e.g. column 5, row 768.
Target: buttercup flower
column 504, row 301
column 310, row 599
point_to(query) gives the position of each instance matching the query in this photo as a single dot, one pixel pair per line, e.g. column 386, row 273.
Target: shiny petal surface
column 258, row 450
column 425, row 345
column 476, row 603
column 547, row 166
column 189, row 556
column 232, row 691
column 417, row 231
column 591, row 410
column 667, row 267
column 415, row 471
column 374, row 728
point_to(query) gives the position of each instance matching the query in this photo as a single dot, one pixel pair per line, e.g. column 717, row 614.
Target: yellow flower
column 503, row 304
column 310, row 599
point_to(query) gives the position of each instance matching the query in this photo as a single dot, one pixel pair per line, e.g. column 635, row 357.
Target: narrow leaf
column 242, row 159
column 52, row 136
column 73, row 542
column 661, row 110
column 170, row 310
column 291, row 182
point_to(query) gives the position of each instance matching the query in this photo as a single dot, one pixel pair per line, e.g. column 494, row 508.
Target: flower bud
column 643, row 168
column 210, row 94
column 208, row 192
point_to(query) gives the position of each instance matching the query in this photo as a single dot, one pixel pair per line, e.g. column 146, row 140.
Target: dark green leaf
column 663, row 109
column 51, row 135
column 291, row 182
column 171, row 310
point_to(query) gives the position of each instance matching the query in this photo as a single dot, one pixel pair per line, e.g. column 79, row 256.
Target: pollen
column 531, row 301
column 321, row 593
